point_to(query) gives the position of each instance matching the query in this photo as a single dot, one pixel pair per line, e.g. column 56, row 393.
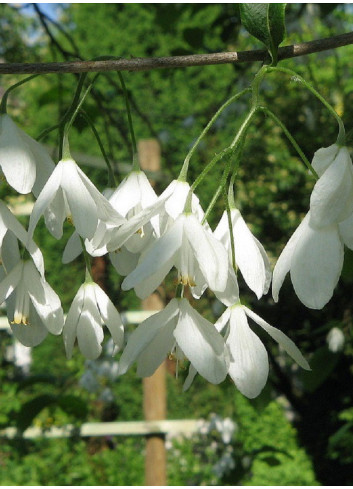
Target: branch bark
column 145, row 64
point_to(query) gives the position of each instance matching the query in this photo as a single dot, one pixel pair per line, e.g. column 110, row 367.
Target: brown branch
column 144, row 64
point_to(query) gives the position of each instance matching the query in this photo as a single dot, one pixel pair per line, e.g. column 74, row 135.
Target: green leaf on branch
column 266, row 22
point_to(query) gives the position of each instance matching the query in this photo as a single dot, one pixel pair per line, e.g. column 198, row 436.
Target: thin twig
column 144, row 64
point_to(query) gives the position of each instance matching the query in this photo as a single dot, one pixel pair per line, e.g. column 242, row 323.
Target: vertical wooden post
column 154, row 387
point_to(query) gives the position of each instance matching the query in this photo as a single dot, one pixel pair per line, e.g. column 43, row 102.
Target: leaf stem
column 3, row 104
column 291, row 139
column 341, row 130
column 185, row 167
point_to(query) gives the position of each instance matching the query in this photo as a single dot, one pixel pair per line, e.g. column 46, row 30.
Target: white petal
column 178, row 192
column 33, row 333
column 286, row 343
column 72, row 318
column 249, row 362
column 89, row 327
column 222, row 321
column 248, row 256
column 210, row 254
column 316, row 265
column 82, row 205
column 133, row 190
column 201, row 344
column 45, row 197
column 10, row 282
column 230, row 295
column 145, row 333
column 44, row 299
column 148, row 285
column 133, row 225
column 190, row 378
column 268, row 272
column 346, row 231
column 284, row 261
column 10, row 252
column 16, row 159
column 157, row 350
column 19, row 231
column 157, row 258
column 44, row 164
column 222, row 230
column 111, row 317
column 105, row 210
column 124, row 261
column 89, row 335
column 72, row 249
column 330, row 194
column 323, row 158
column 55, row 214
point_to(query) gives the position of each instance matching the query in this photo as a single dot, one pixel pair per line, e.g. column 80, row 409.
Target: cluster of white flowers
column 145, row 236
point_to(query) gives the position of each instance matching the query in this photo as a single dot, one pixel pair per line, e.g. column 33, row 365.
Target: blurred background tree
column 302, row 421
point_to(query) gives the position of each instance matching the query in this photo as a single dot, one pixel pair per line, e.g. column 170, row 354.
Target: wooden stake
column 154, row 387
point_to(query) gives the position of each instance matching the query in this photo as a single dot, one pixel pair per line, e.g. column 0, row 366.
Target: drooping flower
column 198, row 256
column 183, row 331
column 250, row 256
column 314, row 258
column 33, row 308
column 133, row 195
column 248, row 365
column 24, row 162
column 71, row 194
column 331, row 200
column 89, row 311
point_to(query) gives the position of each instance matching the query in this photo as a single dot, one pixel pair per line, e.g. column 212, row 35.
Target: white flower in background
column 199, row 258
column 314, row 258
column 332, row 196
column 182, row 330
column 20, row 355
column 33, row 308
column 134, row 194
column 168, row 206
column 175, row 196
column 24, row 162
column 335, row 340
column 89, row 311
column 250, row 256
column 248, row 365
column 70, row 194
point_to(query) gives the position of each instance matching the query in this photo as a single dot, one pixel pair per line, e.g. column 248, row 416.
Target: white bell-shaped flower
column 180, row 329
column 33, row 308
column 314, row 258
column 89, row 311
column 332, row 196
column 132, row 195
column 248, row 365
column 250, row 255
column 71, row 194
column 198, row 256
column 24, row 162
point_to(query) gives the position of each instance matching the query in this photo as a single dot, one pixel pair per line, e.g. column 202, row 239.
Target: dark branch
column 144, row 64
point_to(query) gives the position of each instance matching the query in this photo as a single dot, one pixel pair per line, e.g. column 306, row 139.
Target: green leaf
column 266, row 22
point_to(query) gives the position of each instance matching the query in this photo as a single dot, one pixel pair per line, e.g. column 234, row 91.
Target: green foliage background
column 273, row 189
